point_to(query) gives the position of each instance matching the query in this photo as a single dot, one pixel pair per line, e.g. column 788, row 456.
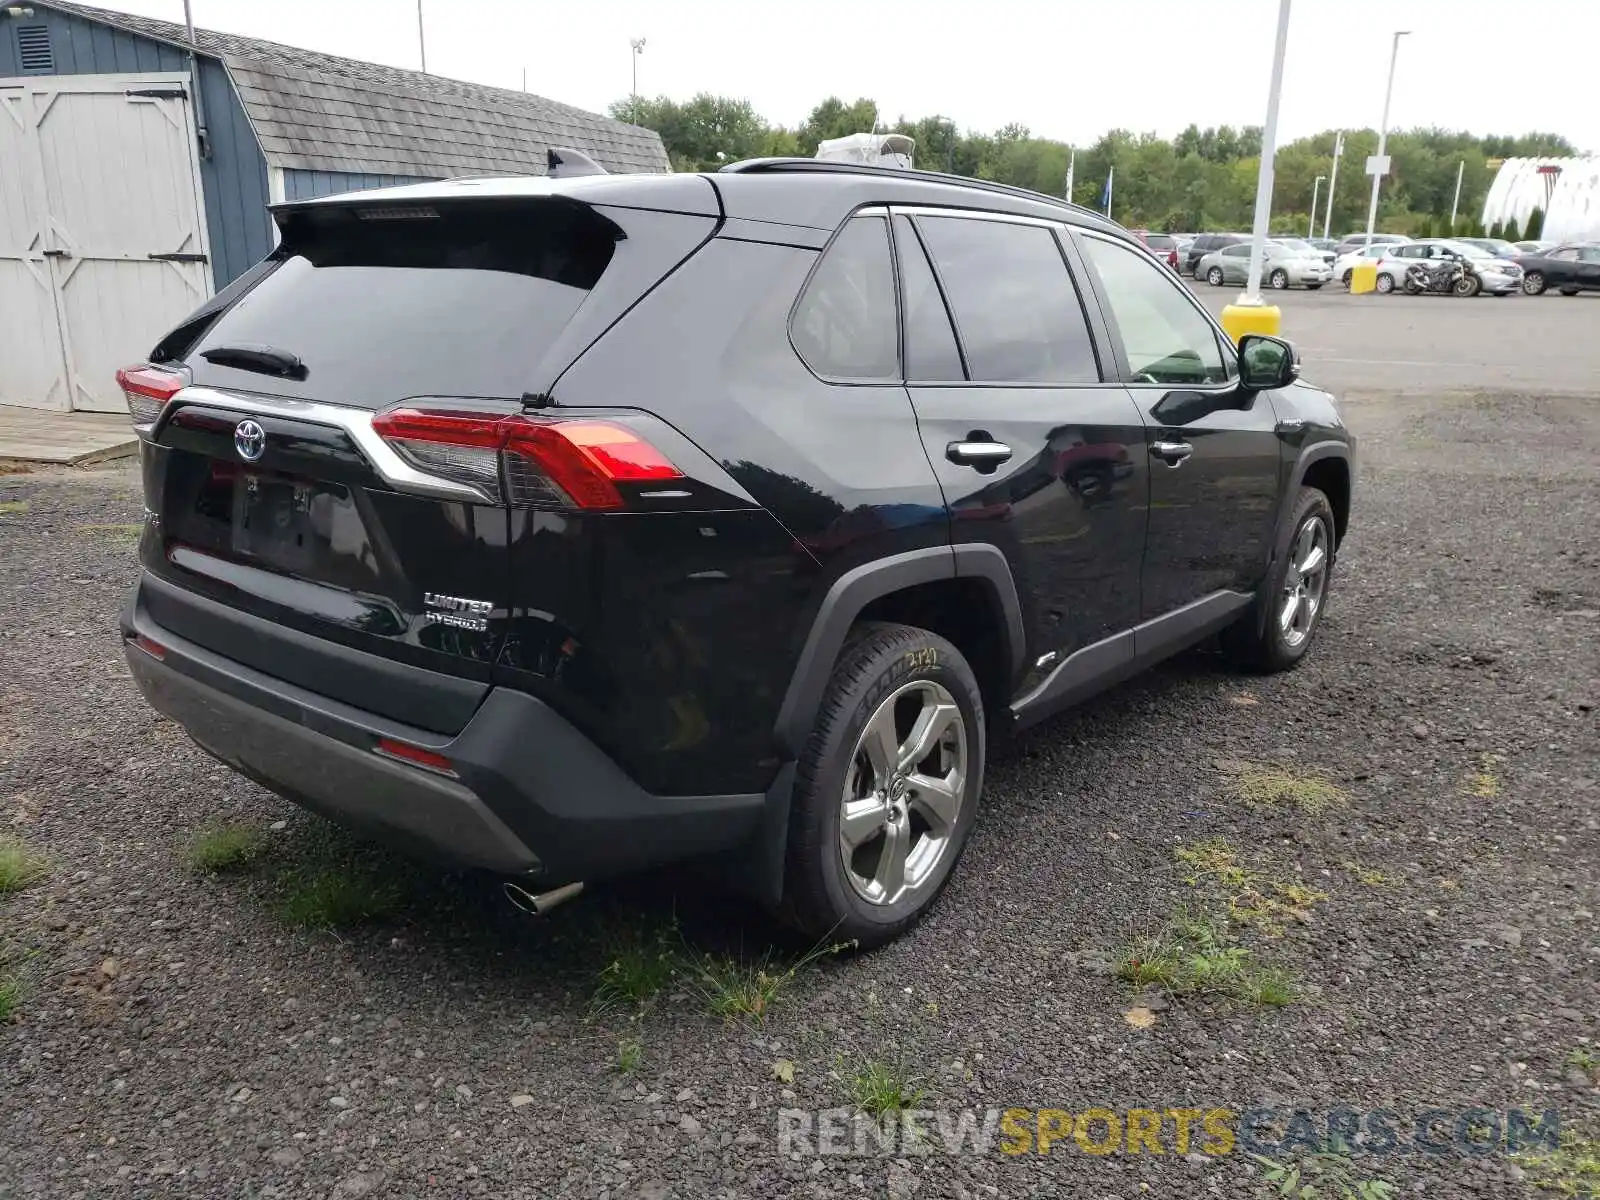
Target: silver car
column 1282, row 266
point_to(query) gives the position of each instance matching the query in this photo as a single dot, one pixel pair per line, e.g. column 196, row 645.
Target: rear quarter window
column 846, row 324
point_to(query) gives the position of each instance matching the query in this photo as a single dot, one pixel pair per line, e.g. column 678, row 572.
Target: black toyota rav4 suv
column 564, row 527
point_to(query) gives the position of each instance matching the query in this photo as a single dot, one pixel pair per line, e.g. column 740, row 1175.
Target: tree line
column 1201, row 179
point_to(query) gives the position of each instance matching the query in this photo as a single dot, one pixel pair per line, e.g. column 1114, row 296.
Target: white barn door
column 122, row 238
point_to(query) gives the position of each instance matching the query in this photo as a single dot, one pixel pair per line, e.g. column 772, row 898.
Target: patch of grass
column 736, row 989
column 1195, row 954
column 630, row 1055
column 639, row 967
column 1322, row 1177
column 334, row 896
column 1484, row 783
column 1273, row 786
column 1365, row 875
column 10, row 507
column 879, row 1088
column 225, row 847
column 20, row 865
column 1253, row 897
column 131, row 531
column 1572, row 1169
column 10, row 996
column 1584, row 1059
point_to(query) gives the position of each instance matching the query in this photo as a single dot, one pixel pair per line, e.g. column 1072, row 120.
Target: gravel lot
column 177, row 1036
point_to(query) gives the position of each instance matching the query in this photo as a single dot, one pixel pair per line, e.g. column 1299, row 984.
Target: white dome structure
column 1568, row 189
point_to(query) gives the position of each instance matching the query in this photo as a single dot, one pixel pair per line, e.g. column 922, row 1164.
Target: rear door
column 1038, row 451
column 1213, row 449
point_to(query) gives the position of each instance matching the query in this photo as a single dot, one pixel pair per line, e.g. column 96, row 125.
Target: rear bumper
column 531, row 795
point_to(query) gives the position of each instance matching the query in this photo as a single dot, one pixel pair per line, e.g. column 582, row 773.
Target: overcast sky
column 1067, row 69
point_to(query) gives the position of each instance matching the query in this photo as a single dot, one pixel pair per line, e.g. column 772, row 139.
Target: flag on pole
column 1105, row 192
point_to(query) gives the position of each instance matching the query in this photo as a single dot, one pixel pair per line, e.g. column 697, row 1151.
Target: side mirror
column 1266, row 363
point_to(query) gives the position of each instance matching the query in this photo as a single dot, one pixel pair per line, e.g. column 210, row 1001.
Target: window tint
column 845, row 326
column 1166, row 338
column 1590, row 254
column 931, row 353
column 1564, row 255
column 1237, row 252
column 1015, row 305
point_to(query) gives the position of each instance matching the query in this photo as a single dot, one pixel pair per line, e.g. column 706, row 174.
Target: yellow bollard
column 1363, row 278
column 1240, row 319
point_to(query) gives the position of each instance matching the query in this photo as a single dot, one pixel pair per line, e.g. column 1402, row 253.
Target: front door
column 1038, row 448
column 1213, row 448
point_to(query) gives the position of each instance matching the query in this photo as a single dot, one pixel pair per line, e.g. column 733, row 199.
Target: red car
column 1163, row 245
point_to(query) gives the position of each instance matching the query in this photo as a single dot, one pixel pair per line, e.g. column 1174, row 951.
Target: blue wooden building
column 136, row 171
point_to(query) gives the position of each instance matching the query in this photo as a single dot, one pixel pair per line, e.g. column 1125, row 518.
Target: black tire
column 1533, row 283
column 1278, row 280
column 1345, row 278
column 1214, row 277
column 1467, row 286
column 1257, row 641
column 1384, row 283
column 819, row 900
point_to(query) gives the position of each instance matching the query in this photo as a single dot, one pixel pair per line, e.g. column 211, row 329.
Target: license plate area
column 272, row 520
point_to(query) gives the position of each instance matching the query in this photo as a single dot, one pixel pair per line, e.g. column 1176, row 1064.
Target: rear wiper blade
column 253, row 356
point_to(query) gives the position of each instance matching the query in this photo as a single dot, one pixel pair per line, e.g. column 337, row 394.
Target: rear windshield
column 1160, row 241
column 381, row 302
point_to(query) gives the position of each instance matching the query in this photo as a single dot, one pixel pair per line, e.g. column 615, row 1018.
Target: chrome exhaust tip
column 537, row 904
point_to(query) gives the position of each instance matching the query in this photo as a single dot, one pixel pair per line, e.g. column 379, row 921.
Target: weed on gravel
column 879, row 1088
column 332, row 897
column 630, row 1055
column 10, row 996
column 20, row 865
column 1195, row 954
column 1253, row 896
column 640, row 964
column 1267, row 785
column 1322, row 1177
column 1571, row 1169
column 738, row 989
column 218, row 849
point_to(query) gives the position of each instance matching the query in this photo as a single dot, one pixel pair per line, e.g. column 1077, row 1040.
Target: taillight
column 150, row 646
column 574, row 463
column 147, row 389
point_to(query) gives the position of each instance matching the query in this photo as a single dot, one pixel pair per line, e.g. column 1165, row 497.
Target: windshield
column 1299, row 245
column 1469, row 250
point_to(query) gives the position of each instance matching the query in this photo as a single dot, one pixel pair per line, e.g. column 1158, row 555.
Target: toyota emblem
column 250, row 440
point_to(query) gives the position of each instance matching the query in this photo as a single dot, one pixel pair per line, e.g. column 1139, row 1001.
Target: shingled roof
column 324, row 113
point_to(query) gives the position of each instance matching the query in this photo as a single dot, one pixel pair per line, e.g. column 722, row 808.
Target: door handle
column 56, row 253
column 978, row 454
column 1171, row 453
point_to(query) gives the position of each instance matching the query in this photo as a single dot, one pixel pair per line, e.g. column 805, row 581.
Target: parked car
column 1347, row 262
column 1281, row 266
column 1163, row 245
column 1499, row 247
column 1570, row 269
column 1534, row 246
column 1206, row 243
column 1356, row 240
column 1324, row 243
column 1498, row 276
column 1307, row 248
column 544, row 526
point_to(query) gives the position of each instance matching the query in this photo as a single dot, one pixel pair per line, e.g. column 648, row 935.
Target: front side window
column 1165, row 337
column 1568, row 255
column 1016, row 309
column 845, row 326
column 1237, row 252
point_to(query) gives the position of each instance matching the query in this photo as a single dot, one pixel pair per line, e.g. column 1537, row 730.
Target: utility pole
column 638, row 49
column 1333, row 179
column 1456, row 203
column 422, row 41
column 1072, row 166
column 1269, row 148
column 1378, row 166
column 1311, row 229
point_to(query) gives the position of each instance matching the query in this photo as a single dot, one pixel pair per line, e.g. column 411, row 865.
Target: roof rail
column 822, row 166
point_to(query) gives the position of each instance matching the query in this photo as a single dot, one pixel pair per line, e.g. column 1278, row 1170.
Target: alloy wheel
column 903, row 793
column 1304, row 582
column 1532, row 283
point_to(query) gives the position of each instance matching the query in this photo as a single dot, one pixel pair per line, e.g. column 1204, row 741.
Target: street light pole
column 1311, row 228
column 1456, row 203
column 422, row 42
column 1333, row 180
column 1383, row 135
column 1269, row 148
column 638, row 49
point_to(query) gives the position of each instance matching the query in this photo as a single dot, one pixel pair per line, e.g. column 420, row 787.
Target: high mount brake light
column 576, row 463
column 147, row 390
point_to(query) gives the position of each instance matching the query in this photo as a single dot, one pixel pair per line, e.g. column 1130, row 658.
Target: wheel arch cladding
column 891, row 588
column 1330, row 475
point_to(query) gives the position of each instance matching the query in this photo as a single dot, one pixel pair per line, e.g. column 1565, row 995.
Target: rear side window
column 1016, row 308
column 845, row 325
column 931, row 354
column 384, row 302
column 1165, row 337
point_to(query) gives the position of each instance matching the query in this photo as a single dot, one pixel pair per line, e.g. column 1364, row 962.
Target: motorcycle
column 1453, row 276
